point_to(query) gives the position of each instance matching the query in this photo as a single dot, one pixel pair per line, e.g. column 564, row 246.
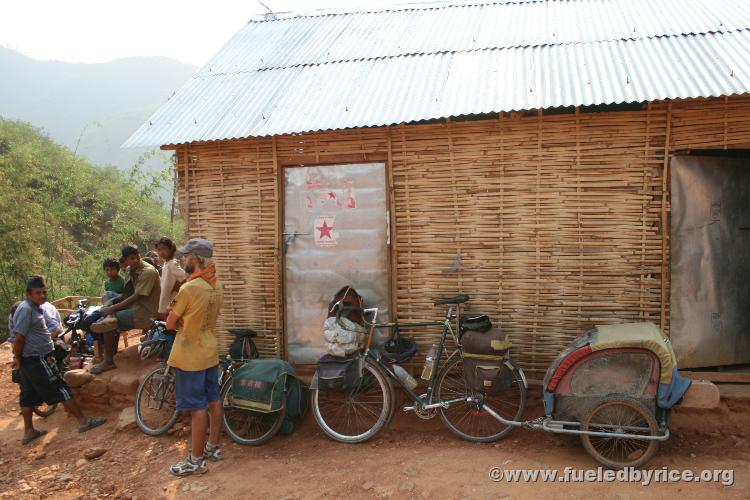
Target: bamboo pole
column 665, row 222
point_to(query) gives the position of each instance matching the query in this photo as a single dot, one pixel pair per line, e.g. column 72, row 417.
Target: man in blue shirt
column 33, row 355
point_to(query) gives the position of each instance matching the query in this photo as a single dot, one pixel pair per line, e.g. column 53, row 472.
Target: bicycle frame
column 375, row 355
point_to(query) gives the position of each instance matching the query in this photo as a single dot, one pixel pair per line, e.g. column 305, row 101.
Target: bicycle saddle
column 458, row 299
column 243, row 332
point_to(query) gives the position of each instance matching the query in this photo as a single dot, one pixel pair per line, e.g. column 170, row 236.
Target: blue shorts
column 194, row 390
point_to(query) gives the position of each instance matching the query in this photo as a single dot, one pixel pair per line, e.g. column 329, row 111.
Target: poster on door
column 323, row 229
column 337, row 195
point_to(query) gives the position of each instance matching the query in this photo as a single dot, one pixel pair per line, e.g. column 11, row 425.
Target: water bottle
column 404, row 377
column 429, row 363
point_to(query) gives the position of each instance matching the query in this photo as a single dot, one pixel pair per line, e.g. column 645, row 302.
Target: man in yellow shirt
column 195, row 354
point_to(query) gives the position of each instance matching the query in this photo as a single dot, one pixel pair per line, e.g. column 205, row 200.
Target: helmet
column 151, row 348
column 158, row 342
column 399, row 349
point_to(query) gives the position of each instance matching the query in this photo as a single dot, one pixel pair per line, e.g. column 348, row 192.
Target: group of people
column 187, row 296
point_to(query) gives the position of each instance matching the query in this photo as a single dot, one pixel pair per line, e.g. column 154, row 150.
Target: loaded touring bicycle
column 613, row 386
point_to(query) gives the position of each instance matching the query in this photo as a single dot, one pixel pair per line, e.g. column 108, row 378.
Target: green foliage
column 60, row 216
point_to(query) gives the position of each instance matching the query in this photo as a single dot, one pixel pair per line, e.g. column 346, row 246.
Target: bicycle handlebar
column 341, row 308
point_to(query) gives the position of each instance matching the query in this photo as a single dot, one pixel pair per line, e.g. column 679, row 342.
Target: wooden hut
column 519, row 152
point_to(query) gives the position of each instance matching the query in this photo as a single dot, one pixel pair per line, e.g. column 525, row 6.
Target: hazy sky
column 190, row 31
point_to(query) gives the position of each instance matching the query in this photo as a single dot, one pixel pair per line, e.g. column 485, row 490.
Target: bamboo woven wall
column 557, row 218
column 229, row 194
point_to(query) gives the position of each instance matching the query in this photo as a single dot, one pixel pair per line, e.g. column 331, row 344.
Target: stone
column 124, row 383
column 80, row 462
column 701, row 394
column 120, row 401
column 409, row 470
column 94, row 453
column 126, row 420
column 406, row 487
column 77, row 378
column 368, row 485
column 94, row 389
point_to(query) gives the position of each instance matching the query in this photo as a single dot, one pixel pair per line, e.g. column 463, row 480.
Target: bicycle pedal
column 407, row 409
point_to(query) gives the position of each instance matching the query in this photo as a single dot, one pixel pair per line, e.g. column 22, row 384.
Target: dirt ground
column 410, row 459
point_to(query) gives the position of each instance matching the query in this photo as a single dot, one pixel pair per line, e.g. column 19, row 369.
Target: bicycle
column 64, row 349
column 155, row 405
column 357, row 415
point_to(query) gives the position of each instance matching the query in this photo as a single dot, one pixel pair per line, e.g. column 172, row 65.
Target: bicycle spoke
column 466, row 419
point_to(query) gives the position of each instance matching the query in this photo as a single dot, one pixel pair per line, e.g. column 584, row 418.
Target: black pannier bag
column 339, row 374
column 474, row 323
column 484, row 360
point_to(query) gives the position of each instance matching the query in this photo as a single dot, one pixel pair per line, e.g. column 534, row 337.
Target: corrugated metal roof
column 334, row 70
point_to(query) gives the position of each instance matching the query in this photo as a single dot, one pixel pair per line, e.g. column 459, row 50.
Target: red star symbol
column 331, row 195
column 325, row 230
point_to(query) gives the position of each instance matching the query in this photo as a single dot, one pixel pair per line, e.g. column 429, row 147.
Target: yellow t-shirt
column 195, row 347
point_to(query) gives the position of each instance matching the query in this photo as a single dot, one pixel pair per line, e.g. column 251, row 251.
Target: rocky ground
column 410, row 459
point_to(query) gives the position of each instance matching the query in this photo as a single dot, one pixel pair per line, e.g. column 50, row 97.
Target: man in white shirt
column 172, row 275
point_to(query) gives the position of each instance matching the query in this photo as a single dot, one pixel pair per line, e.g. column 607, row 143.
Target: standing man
column 195, row 354
column 133, row 309
column 40, row 377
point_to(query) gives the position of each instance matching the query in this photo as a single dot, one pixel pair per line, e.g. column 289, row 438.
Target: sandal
column 37, row 434
column 92, row 422
column 101, row 368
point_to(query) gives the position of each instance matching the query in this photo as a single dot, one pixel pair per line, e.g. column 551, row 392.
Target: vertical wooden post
column 393, row 247
column 665, row 221
column 644, row 215
column 457, row 237
column 279, row 261
column 186, row 160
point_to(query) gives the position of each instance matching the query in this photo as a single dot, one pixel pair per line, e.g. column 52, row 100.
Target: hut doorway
column 710, row 259
column 335, row 234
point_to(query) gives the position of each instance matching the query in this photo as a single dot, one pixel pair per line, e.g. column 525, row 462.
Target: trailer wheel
column 620, row 415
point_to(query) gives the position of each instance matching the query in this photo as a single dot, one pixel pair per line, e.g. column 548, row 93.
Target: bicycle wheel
column 45, row 410
column 155, row 405
column 467, row 420
column 357, row 415
column 247, row 427
column 625, row 416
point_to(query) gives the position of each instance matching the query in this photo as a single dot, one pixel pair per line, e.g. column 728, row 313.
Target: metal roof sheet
column 337, row 70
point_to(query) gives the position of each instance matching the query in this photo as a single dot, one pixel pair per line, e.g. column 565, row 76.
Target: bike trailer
column 632, row 360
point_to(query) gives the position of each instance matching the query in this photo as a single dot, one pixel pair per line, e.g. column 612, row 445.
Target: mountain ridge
column 91, row 108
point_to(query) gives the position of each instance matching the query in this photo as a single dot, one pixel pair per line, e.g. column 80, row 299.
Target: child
column 114, row 283
column 172, row 274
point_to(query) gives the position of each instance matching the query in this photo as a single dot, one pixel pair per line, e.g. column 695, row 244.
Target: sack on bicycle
column 342, row 336
column 485, row 353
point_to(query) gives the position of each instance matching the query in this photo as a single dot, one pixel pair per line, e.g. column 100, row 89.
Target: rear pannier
column 491, row 343
column 484, row 356
column 487, row 375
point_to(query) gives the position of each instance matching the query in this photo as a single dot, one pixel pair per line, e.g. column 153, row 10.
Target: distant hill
column 94, row 107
